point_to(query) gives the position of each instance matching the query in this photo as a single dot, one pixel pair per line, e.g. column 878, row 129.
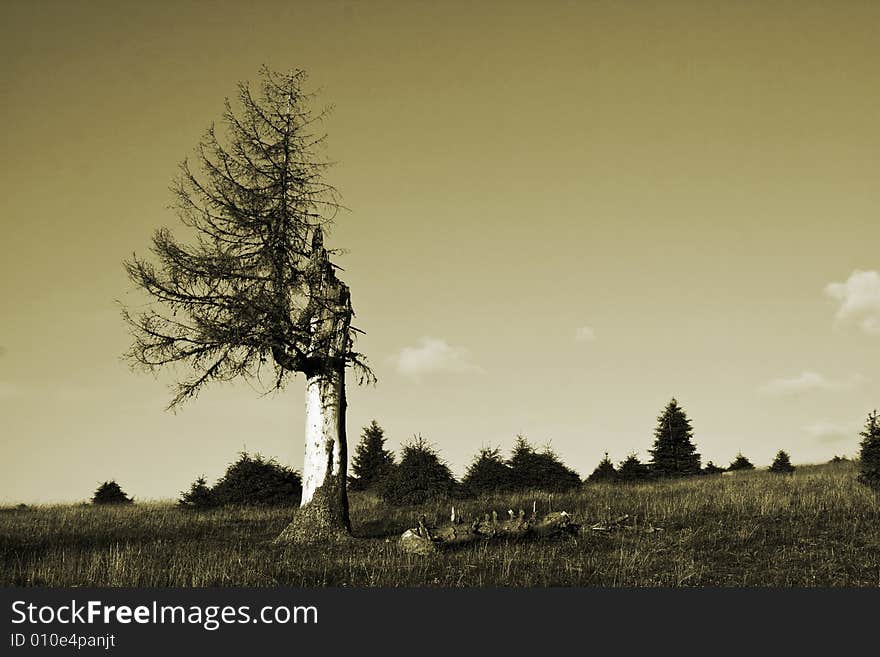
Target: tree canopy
column 673, row 453
column 605, row 471
column 869, row 454
column 782, row 463
column 253, row 480
column 632, row 470
column 543, row 470
column 489, row 473
column 110, row 493
column 420, row 476
column 711, row 469
column 242, row 298
column 740, row 463
column 371, row 463
column 248, row 481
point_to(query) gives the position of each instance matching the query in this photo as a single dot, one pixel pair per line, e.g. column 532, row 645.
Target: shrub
column 420, row 476
column 488, row 473
column 199, row 496
column 632, row 470
column 255, row 481
column 540, row 470
column 782, row 463
column 605, row 471
column 740, row 463
column 249, row 481
column 110, row 493
column 712, row 469
column 372, row 463
column 869, row 456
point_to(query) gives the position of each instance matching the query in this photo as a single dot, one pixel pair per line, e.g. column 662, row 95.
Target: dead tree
column 324, row 507
column 255, row 294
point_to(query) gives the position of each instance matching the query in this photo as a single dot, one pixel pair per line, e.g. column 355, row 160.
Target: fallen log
column 623, row 522
column 425, row 540
column 611, row 525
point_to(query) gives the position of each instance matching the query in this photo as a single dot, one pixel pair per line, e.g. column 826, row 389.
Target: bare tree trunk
column 325, row 431
column 323, row 513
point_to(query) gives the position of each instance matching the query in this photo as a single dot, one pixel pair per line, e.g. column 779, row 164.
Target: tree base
column 319, row 521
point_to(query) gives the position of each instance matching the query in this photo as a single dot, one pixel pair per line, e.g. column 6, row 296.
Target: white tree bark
column 323, row 512
column 325, row 457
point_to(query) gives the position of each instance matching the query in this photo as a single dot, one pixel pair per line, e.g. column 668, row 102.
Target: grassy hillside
column 816, row 528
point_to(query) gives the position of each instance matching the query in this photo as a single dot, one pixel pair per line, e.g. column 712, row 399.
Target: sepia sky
column 562, row 215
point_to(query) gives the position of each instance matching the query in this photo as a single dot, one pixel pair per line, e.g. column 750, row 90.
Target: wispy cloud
column 828, row 432
column 433, row 355
column 859, row 300
column 808, row 381
column 584, row 334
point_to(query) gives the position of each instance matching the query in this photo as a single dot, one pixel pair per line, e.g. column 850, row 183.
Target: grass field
column 818, row 527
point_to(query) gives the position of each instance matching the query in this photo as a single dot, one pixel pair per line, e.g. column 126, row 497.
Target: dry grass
column 816, row 528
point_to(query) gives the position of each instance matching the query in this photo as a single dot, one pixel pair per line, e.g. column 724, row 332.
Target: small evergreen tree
column 740, row 463
column 523, row 465
column 712, row 469
column 488, row 473
column 605, row 471
column 540, row 470
column 782, row 463
column 256, row 481
column 372, row 463
column 110, row 493
column 673, row 453
column 199, row 496
column 632, row 470
column 869, row 456
column 420, row 476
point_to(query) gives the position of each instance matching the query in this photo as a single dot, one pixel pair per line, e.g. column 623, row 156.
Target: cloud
column 2, row 351
column 433, row 355
column 828, row 432
column 859, row 299
column 584, row 334
column 807, row 382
